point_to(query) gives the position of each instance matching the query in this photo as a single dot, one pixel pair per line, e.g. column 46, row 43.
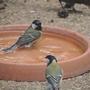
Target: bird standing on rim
column 53, row 73
column 30, row 36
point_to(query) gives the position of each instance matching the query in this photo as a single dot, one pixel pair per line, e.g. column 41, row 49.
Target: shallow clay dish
column 27, row 63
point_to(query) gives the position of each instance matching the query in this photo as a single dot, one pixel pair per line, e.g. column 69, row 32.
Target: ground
column 18, row 12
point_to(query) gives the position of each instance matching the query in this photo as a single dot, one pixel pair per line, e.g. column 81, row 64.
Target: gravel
column 18, row 12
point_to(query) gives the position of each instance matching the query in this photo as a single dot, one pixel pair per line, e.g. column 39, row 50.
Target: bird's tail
column 53, row 88
column 9, row 49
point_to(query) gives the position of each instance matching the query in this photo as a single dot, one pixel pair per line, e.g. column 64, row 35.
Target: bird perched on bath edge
column 53, row 73
column 29, row 37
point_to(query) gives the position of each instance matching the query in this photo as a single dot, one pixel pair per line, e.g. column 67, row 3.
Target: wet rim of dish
column 20, row 28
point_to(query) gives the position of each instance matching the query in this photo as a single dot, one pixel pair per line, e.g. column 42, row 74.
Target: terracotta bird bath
column 27, row 64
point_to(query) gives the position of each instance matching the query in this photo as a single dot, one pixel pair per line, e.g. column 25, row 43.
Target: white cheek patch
column 54, row 60
column 34, row 26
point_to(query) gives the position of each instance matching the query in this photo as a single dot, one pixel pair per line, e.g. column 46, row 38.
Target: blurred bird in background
column 70, row 3
column 2, row 4
column 53, row 73
column 69, row 6
column 62, row 12
column 30, row 36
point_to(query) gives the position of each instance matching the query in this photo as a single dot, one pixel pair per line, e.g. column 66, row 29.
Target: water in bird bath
column 50, row 43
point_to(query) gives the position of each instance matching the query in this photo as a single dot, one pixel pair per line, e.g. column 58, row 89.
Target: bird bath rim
column 67, row 65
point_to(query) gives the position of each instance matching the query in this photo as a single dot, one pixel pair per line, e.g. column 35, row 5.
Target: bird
column 53, row 73
column 69, row 7
column 2, row 4
column 63, row 13
column 69, row 4
column 28, row 38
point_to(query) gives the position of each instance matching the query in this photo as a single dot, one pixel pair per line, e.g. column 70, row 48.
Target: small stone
column 47, row 0
column 52, row 21
column 32, row 11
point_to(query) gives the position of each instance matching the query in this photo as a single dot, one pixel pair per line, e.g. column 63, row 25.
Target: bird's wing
column 27, row 38
column 54, row 81
column 54, row 78
column 53, row 74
